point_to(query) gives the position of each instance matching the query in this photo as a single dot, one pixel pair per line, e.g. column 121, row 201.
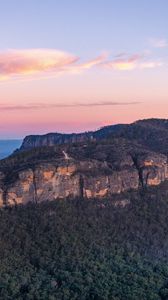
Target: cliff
column 112, row 160
column 64, row 176
column 51, row 139
column 151, row 133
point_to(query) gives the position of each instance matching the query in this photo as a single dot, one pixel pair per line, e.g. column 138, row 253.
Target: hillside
column 112, row 160
column 51, row 139
column 92, row 169
column 111, row 248
column 152, row 133
column 86, row 249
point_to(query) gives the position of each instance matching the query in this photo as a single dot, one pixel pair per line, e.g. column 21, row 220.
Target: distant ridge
column 51, row 139
column 147, row 131
column 112, row 160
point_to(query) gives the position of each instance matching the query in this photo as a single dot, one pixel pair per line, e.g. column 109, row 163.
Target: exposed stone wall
column 89, row 179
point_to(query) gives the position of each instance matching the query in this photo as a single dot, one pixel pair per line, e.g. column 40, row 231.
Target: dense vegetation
column 150, row 133
column 82, row 250
column 76, row 249
column 111, row 144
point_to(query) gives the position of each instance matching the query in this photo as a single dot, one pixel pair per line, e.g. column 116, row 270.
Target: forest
column 86, row 249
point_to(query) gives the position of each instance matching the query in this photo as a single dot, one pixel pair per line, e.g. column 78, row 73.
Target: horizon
column 84, row 149
column 78, row 66
column 77, row 132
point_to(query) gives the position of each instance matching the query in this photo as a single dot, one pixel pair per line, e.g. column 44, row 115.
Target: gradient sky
column 77, row 65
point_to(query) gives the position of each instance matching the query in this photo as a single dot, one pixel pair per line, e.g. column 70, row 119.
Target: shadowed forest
column 79, row 249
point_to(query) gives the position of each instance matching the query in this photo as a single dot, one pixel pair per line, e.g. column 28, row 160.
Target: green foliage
column 74, row 249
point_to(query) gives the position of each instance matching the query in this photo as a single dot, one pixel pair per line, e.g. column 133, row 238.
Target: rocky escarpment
column 151, row 133
column 56, row 166
column 87, row 178
column 51, row 139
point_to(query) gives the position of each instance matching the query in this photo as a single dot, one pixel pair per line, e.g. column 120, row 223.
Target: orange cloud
column 34, row 61
column 124, row 63
column 97, row 61
column 21, row 62
column 80, row 67
column 18, row 63
column 127, row 63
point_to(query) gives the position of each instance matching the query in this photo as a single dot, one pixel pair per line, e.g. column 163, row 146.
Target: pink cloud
column 22, row 62
column 128, row 63
column 91, row 63
column 34, row 61
column 19, row 63
column 40, row 106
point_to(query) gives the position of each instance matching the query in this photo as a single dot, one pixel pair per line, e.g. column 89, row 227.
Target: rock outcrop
column 153, row 169
column 98, row 164
column 85, row 179
column 151, row 133
column 51, row 139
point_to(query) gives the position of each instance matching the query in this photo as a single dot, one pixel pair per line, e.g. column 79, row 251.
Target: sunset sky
column 70, row 66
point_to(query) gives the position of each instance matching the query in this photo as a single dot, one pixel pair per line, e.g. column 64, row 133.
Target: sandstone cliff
column 69, row 177
column 89, row 165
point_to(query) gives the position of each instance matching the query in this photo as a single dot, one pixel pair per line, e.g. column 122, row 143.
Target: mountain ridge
column 119, row 159
column 116, row 130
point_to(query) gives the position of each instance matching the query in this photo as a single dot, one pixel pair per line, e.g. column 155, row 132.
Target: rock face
column 51, row 139
column 153, row 169
column 86, row 179
column 152, row 133
column 88, row 165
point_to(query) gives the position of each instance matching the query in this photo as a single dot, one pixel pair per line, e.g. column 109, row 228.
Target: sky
column 71, row 66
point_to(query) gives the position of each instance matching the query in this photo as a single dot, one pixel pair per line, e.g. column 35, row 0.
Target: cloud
column 34, row 61
column 126, row 62
column 150, row 64
column 43, row 63
column 91, row 63
column 158, row 43
column 38, row 106
column 23, row 62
